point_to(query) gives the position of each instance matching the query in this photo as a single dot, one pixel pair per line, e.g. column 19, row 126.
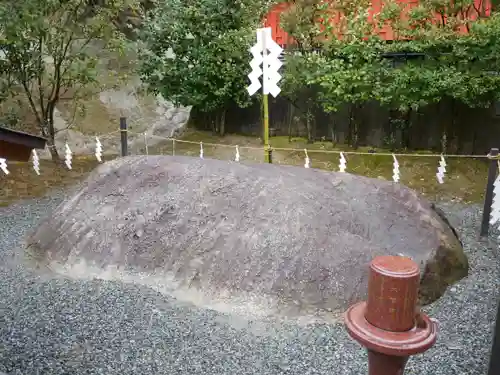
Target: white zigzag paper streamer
column 395, row 170
column 36, row 162
column 237, row 156
column 98, row 150
column 441, row 170
column 495, row 205
column 69, row 156
column 343, row 163
column 201, row 150
column 308, row 162
column 3, row 166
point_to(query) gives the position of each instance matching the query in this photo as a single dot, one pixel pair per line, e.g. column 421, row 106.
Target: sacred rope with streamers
column 319, row 150
column 441, row 167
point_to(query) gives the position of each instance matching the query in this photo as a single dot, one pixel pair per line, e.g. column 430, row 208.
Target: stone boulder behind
column 252, row 235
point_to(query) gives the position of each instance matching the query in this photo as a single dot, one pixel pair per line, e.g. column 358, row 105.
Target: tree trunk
column 356, row 134
column 444, row 133
column 291, row 111
column 350, row 125
column 332, row 129
column 50, row 133
column 314, row 127
column 309, row 124
column 406, row 130
column 353, row 127
column 222, row 123
column 215, row 126
column 444, row 142
column 309, row 128
column 454, row 141
column 390, row 131
column 54, row 154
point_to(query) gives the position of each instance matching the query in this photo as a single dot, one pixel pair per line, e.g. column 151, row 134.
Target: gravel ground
column 58, row 326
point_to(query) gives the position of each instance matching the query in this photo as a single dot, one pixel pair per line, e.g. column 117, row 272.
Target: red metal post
column 386, row 324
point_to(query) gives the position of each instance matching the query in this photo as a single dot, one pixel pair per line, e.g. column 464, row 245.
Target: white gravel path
column 58, row 326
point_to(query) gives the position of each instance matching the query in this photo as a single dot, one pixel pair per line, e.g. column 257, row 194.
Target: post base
column 382, row 364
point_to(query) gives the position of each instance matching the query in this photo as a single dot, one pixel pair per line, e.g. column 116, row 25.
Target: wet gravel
column 60, row 326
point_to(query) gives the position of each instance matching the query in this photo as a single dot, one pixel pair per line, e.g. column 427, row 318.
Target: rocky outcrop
column 120, row 93
column 158, row 119
column 270, row 238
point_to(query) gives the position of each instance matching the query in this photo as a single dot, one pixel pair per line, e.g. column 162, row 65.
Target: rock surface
column 254, row 239
column 154, row 116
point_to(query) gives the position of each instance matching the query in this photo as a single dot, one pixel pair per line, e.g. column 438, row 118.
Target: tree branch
column 40, row 72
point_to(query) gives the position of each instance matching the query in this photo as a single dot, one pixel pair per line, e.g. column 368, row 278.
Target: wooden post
column 266, row 129
column 124, row 133
column 495, row 350
column 385, row 324
column 265, row 99
column 488, row 197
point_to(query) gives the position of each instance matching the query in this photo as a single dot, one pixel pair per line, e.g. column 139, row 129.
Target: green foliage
column 50, row 49
column 343, row 70
column 302, row 22
column 460, row 57
column 196, row 53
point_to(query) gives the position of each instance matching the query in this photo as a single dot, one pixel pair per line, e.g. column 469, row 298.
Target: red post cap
column 392, row 293
column 385, row 324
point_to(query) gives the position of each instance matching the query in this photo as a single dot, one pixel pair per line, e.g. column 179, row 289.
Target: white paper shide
column 98, row 150
column 265, row 53
column 441, row 170
column 3, row 166
column 68, row 157
column 343, row 163
column 495, row 205
column 395, row 171
column 237, row 156
column 36, row 162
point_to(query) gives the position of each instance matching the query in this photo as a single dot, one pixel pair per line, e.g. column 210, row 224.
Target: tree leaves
column 50, row 48
column 443, row 53
column 196, row 52
column 210, row 40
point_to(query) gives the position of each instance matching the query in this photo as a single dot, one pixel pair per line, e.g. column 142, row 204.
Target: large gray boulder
column 293, row 237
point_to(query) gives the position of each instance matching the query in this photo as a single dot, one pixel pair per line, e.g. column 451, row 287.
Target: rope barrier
column 100, row 136
column 198, row 142
column 290, row 149
column 108, row 134
column 391, row 154
column 308, row 161
column 338, row 152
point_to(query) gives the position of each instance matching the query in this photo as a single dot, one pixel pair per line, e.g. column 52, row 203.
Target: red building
column 272, row 19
